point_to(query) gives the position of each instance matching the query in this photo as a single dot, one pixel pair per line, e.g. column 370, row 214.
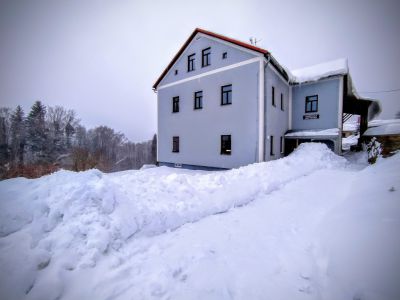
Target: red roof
column 197, row 30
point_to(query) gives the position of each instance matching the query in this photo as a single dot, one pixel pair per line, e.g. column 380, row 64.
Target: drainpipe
column 262, row 111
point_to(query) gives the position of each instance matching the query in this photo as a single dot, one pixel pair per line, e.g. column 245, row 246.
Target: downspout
column 340, row 113
column 265, row 116
column 158, row 137
column 261, row 133
column 261, row 112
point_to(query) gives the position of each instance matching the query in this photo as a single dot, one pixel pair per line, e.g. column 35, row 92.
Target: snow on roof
column 383, row 127
column 318, row 132
column 316, row 72
column 378, row 122
column 350, row 126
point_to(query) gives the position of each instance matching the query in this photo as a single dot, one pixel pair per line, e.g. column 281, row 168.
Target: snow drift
column 89, row 212
column 68, row 226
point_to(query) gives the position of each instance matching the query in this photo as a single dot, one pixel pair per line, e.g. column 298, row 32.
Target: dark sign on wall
column 311, row 117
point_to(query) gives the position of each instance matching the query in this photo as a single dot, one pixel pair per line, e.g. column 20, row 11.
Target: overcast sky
column 101, row 58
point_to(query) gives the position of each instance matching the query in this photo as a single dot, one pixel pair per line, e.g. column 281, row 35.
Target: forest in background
column 51, row 138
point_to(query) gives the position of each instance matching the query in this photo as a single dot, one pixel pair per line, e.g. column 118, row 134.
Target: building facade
column 223, row 104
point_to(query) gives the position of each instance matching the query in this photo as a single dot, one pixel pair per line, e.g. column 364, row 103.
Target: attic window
column 190, row 66
column 224, row 55
column 205, row 57
column 176, row 72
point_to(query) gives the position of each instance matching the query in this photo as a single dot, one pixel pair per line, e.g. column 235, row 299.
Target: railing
column 346, row 117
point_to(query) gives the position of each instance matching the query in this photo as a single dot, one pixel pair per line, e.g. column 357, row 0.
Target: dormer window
column 190, row 66
column 224, row 55
column 206, row 57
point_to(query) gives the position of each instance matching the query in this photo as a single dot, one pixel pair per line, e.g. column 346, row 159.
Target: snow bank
column 91, row 235
column 316, row 72
column 358, row 241
column 91, row 211
column 349, row 141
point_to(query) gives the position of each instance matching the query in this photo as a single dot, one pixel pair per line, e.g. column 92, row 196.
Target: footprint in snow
column 306, row 289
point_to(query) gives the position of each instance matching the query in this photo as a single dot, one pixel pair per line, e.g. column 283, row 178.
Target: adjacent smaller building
column 387, row 133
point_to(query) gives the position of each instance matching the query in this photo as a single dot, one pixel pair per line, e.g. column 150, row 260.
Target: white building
column 223, row 104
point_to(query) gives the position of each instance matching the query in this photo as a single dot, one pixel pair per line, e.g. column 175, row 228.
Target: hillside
column 310, row 226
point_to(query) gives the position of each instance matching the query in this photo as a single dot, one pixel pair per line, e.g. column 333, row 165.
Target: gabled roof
column 218, row 36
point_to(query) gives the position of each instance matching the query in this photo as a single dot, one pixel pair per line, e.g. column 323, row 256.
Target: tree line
column 49, row 138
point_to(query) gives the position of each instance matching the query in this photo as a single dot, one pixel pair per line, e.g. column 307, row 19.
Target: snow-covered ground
column 309, row 226
column 349, row 141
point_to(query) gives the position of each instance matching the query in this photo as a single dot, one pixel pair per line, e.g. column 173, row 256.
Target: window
column 175, row 144
column 273, row 96
column 281, row 101
column 176, row 72
column 175, row 104
column 198, row 100
column 206, row 57
column 225, row 144
column 226, row 94
column 281, row 145
column 271, row 144
column 312, row 103
column 224, row 55
column 191, row 62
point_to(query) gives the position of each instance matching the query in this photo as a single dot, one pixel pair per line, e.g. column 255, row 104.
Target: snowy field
column 310, row 226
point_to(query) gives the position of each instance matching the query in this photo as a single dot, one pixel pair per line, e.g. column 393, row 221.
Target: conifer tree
column 4, row 135
column 37, row 141
column 154, row 149
column 17, row 136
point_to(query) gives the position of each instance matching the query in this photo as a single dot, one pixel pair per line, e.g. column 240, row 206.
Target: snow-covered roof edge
column 320, row 71
column 314, row 132
column 384, row 129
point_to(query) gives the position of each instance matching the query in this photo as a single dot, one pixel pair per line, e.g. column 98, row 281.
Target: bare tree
column 51, row 137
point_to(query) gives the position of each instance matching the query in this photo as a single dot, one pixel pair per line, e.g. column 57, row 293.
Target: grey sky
column 102, row 57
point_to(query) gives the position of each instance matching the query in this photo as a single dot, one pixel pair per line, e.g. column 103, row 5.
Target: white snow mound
column 319, row 228
column 87, row 213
